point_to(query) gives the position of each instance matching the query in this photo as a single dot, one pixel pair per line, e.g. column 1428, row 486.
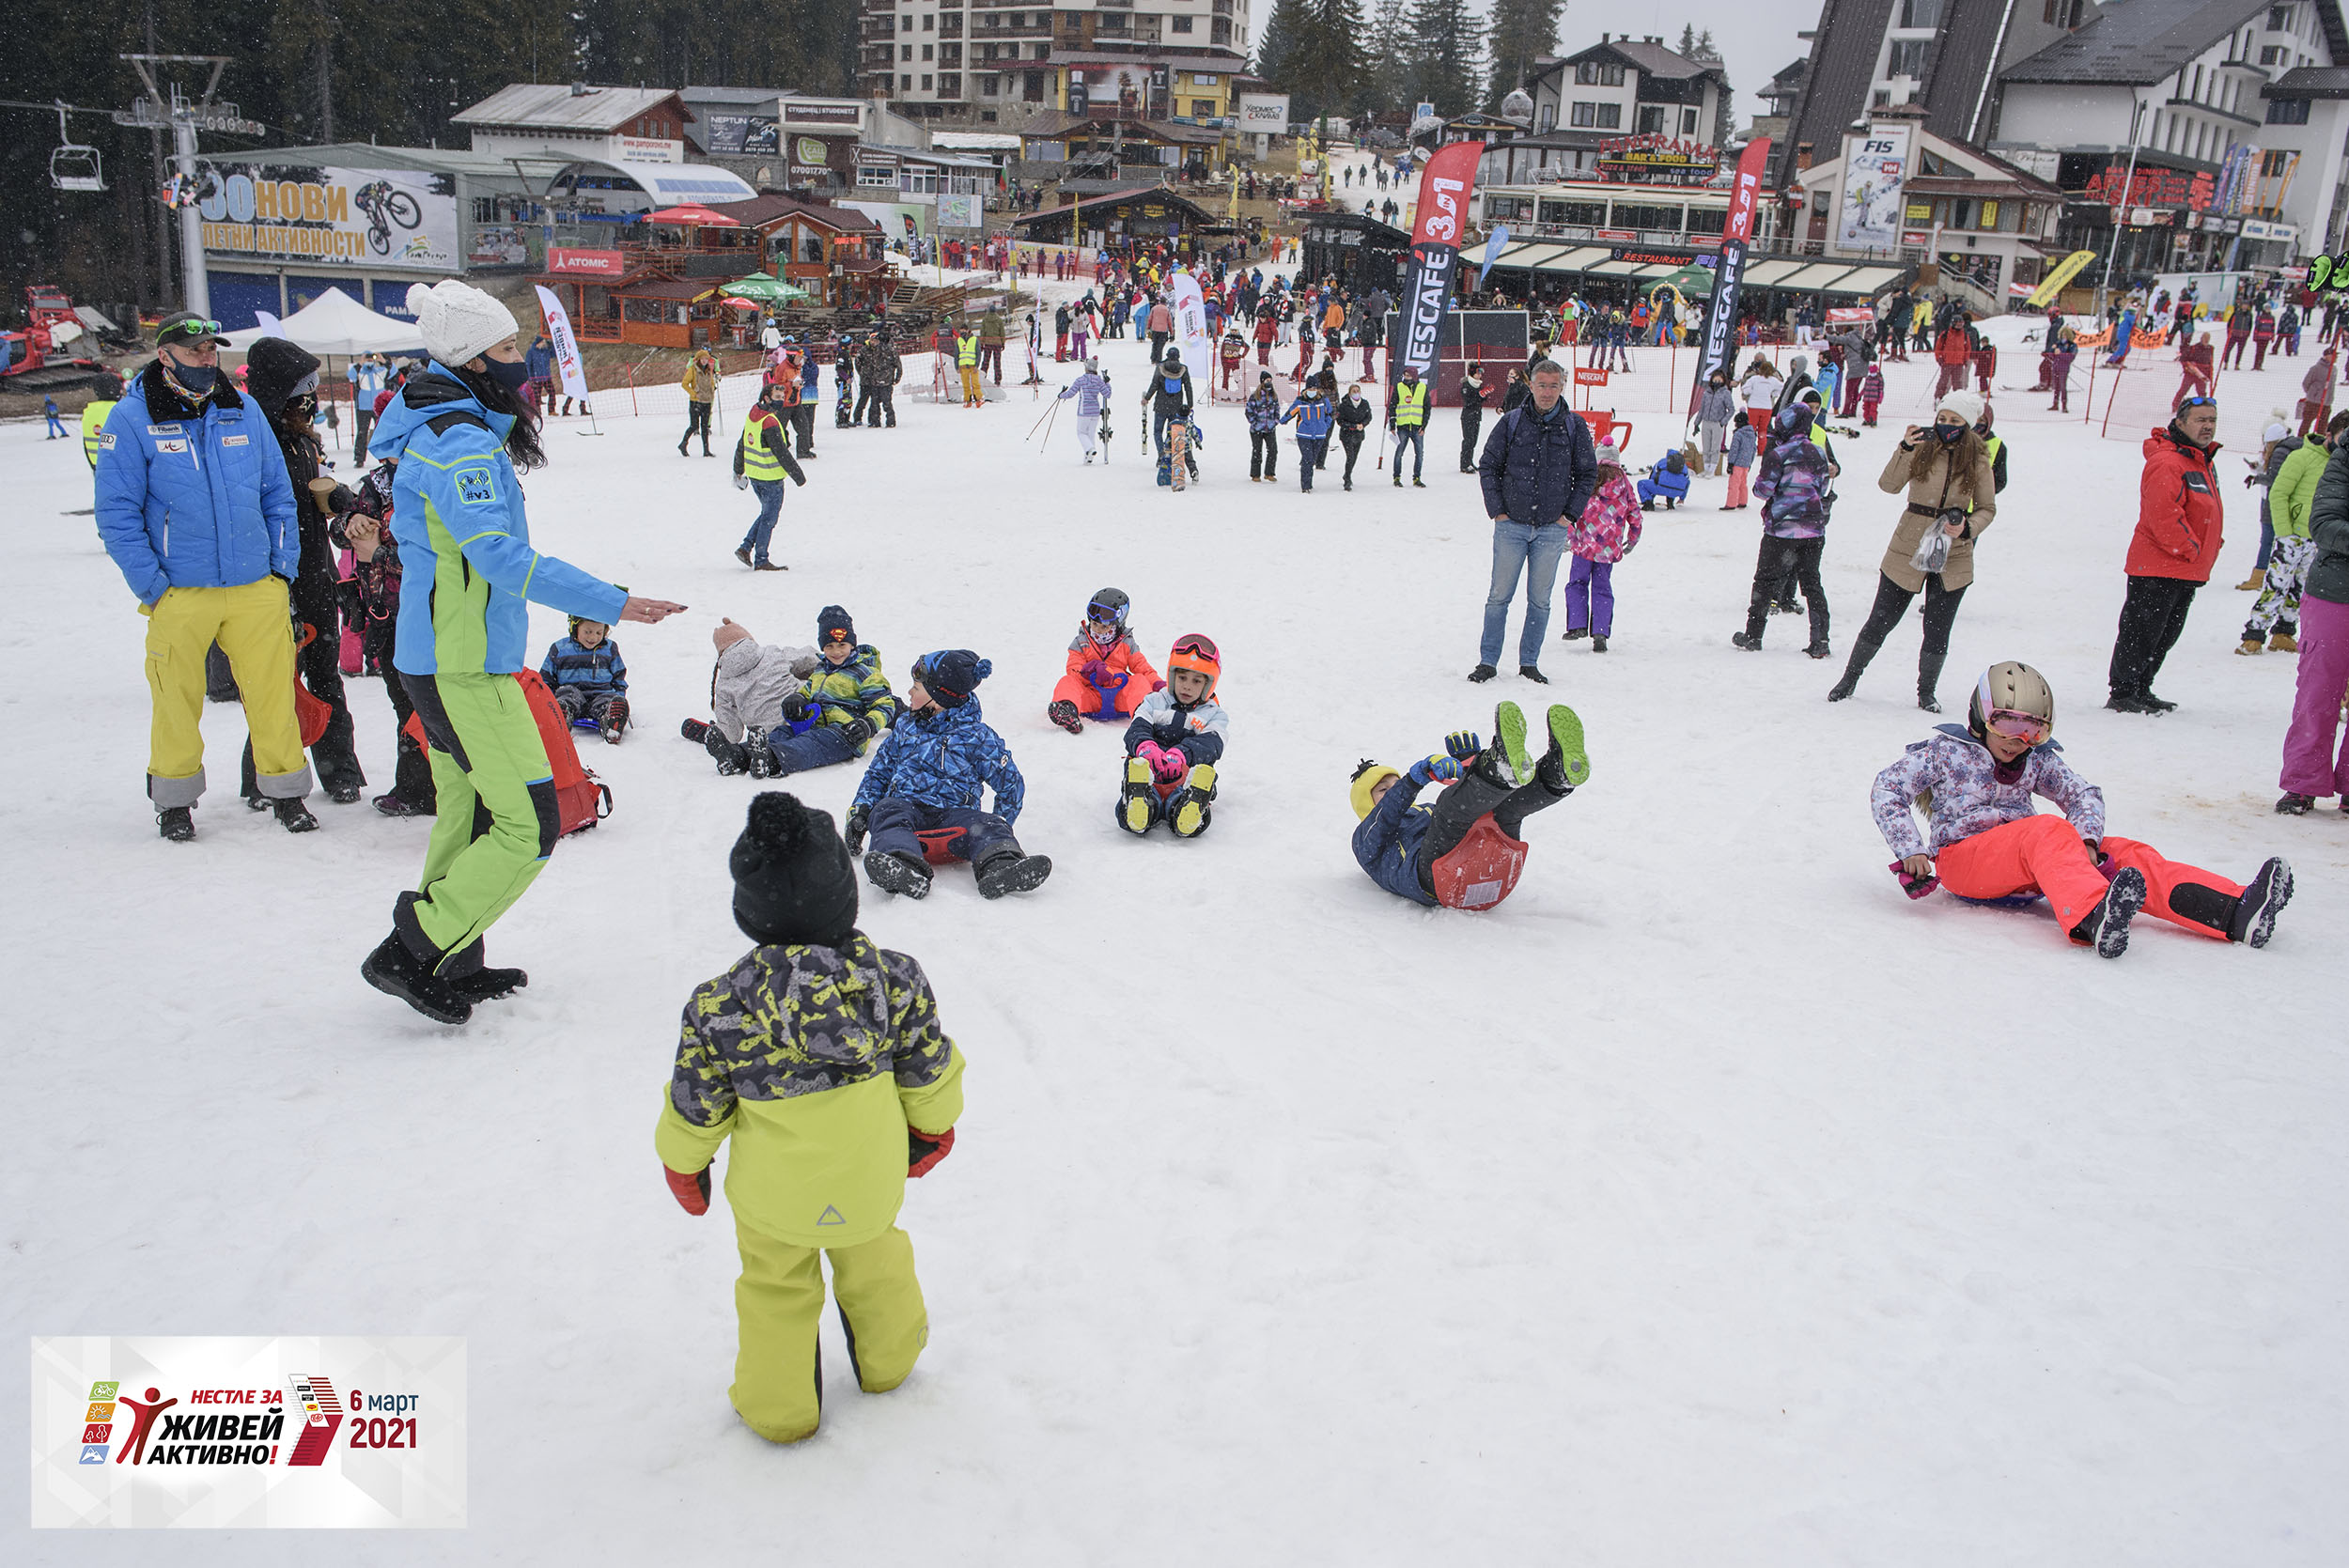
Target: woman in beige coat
column 1945, row 472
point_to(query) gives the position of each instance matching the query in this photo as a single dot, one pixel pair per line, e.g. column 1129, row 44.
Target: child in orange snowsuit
column 1108, row 673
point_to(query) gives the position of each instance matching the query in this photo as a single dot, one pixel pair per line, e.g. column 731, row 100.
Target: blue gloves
column 1426, row 770
column 1462, row 745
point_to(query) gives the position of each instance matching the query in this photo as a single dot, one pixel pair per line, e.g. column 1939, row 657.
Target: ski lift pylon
column 72, row 166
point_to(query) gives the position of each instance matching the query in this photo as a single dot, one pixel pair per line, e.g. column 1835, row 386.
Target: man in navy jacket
column 1538, row 470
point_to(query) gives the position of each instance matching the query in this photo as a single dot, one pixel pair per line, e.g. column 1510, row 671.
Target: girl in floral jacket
column 1604, row 534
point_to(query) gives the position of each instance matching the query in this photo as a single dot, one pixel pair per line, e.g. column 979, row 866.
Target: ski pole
column 1047, row 428
column 1040, row 419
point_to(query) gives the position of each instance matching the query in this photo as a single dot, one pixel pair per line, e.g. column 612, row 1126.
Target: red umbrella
column 693, row 214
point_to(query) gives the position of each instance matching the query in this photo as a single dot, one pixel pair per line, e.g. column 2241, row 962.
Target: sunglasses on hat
column 2198, row 401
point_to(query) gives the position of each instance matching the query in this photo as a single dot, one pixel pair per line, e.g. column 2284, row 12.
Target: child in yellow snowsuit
column 821, row 1056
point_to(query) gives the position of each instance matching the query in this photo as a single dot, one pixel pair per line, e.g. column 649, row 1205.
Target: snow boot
column 2253, row 583
column 2255, row 912
column 1820, row 650
column 1063, row 713
column 1010, row 871
column 1567, row 764
column 762, row 761
column 1483, row 673
column 1598, row 645
column 731, row 758
column 2283, row 642
column 392, row 804
column 294, row 816
column 744, row 555
column 2250, row 645
column 1138, row 799
column 1185, row 809
column 694, row 730
column 2293, row 804
column 1533, row 674
column 343, row 794
column 178, row 823
column 1505, row 762
column 1751, row 642
column 614, row 720
column 2106, row 927
column 395, row 971
column 474, row 982
column 1575, row 634
column 900, row 874
column 2155, row 704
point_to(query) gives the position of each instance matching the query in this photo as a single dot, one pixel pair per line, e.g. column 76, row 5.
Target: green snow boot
column 1566, row 765
column 1512, row 764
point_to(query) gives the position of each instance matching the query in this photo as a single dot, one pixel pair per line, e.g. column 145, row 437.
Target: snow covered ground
column 1706, row 1203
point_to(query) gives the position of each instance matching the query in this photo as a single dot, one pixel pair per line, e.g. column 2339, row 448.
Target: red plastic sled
column 1480, row 870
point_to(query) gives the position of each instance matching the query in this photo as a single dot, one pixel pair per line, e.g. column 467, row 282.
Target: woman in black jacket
column 1354, row 411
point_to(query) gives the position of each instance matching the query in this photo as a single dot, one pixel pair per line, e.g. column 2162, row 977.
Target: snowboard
column 1178, row 451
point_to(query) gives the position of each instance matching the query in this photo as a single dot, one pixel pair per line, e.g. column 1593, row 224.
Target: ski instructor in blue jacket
column 462, row 434
column 195, row 508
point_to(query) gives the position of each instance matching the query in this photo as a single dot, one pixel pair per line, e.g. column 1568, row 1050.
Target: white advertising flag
column 1191, row 325
column 567, row 362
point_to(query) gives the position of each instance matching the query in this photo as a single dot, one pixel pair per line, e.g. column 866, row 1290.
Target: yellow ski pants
column 255, row 629
column 779, row 1301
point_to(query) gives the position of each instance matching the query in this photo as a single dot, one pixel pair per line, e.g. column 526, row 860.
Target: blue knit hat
column 951, row 674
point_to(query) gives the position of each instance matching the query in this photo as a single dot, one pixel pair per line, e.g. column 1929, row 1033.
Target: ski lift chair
column 74, row 166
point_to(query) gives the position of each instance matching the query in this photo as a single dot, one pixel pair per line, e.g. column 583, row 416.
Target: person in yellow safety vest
column 93, row 421
column 762, row 455
column 1407, row 412
column 967, row 361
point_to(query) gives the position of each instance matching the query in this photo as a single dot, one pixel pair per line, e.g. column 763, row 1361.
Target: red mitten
column 692, row 1191
column 925, row 1149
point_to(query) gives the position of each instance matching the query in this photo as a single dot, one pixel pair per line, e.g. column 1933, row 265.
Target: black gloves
column 859, row 821
column 798, row 706
column 859, row 731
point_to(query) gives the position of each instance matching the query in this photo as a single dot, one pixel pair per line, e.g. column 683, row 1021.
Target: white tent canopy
column 334, row 323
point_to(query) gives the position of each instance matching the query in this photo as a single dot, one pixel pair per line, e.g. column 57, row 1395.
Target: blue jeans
column 769, row 493
column 1415, row 437
column 1521, row 546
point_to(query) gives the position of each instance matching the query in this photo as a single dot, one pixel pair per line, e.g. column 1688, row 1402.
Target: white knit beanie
column 459, row 321
column 1963, row 404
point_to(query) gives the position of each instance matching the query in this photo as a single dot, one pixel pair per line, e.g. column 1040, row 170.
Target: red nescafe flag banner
column 1720, row 322
column 1442, row 218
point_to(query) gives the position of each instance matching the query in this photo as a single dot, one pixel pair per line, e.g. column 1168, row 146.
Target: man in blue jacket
column 457, row 432
column 1539, row 470
column 195, row 508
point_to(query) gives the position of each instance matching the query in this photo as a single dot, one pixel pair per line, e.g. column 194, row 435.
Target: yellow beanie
column 1368, row 781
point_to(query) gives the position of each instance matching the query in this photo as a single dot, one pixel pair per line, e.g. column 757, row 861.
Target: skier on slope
column 1463, row 851
column 1092, row 392
column 1168, row 397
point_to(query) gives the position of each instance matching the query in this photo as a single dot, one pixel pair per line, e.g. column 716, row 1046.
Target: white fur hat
column 459, row 321
column 1966, row 405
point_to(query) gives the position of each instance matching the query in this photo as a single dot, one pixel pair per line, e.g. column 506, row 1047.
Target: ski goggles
column 1193, row 643
column 190, row 328
column 2027, row 727
column 1102, row 614
column 2200, row 401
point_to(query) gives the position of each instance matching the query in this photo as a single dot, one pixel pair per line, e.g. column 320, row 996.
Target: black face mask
column 1947, row 432
column 301, row 411
column 195, row 378
column 513, row 375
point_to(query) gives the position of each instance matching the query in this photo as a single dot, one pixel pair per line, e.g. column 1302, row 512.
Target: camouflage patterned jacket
column 815, row 1060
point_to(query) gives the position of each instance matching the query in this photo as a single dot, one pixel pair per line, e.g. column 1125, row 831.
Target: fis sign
column 1444, row 187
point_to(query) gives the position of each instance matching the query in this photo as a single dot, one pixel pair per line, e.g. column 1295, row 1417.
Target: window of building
column 1643, row 215
column 1203, row 108
column 1043, row 51
column 2280, row 19
column 1032, row 86
column 1507, row 209
column 926, row 82
column 1585, row 112
column 1204, row 80
column 2287, row 111
column 1908, row 57
column 1598, row 73
column 905, row 52
column 2273, row 55
column 1180, row 24
column 929, row 24
column 871, row 174
column 1688, row 122
column 925, row 51
column 1219, row 31
column 1707, row 220
column 950, row 84
column 1921, row 13
column 1610, row 116
column 991, row 85
column 1589, row 215
column 1651, row 118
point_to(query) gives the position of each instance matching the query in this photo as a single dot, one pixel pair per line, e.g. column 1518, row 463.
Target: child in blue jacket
column 1314, row 415
column 588, row 677
column 1408, row 849
column 1174, row 744
column 920, row 795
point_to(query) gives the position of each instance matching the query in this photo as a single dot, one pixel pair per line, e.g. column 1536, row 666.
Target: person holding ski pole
column 1092, row 392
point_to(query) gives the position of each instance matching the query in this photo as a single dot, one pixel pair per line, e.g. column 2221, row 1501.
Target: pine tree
column 1385, row 81
column 1523, row 31
column 1446, row 46
column 1277, row 47
column 1689, row 39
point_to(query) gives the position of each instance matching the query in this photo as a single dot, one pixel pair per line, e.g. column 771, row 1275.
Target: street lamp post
column 2120, row 212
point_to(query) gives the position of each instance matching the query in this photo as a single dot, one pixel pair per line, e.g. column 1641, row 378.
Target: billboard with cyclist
column 311, row 214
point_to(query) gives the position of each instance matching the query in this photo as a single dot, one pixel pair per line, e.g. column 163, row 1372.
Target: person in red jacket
column 2178, row 534
column 1108, row 672
column 1954, row 352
